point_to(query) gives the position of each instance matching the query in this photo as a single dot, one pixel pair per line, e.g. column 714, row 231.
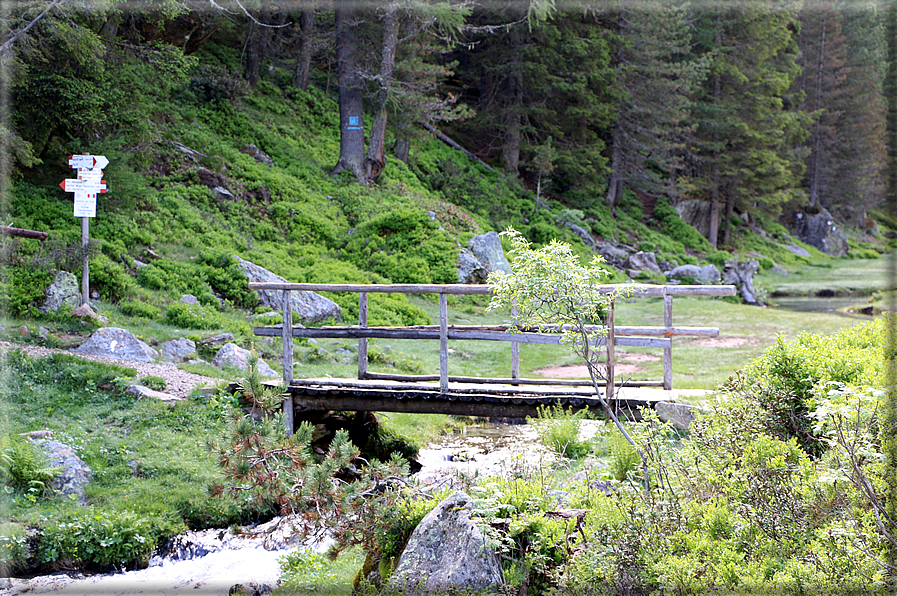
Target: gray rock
column 446, row 554
column 642, row 261
column 488, row 255
column 178, row 350
column 819, row 230
column 85, row 312
column 741, row 275
column 708, row 274
column 696, row 213
column 798, row 250
column 222, row 194
column 64, row 290
column 113, row 342
column 216, row 341
column 679, row 415
column 139, row 391
column 189, row 299
column 470, row 270
column 233, row 356
column 309, row 306
column 74, row 474
column 487, row 248
column 583, row 235
column 259, row 155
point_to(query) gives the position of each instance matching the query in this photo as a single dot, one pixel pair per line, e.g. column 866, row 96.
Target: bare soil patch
column 579, row 371
column 726, row 342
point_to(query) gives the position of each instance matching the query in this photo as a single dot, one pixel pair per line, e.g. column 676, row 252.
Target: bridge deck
column 461, row 399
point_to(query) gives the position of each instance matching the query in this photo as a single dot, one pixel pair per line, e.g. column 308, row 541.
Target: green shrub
column 672, row 225
column 23, row 290
column 144, row 310
column 110, row 279
column 23, row 466
column 558, row 430
column 104, row 539
column 13, row 548
column 222, row 272
column 154, row 382
column 190, row 316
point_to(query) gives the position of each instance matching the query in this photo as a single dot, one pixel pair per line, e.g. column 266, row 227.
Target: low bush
column 558, row 429
column 143, row 310
column 112, row 539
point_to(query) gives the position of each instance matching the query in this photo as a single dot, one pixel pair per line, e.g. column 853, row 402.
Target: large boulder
column 64, row 290
column 490, row 258
column 309, row 306
column 583, row 235
column 695, row 213
column 446, row 553
column 233, row 356
column 641, row 261
column 179, row 350
column 121, row 344
column 741, row 275
column 74, row 474
column 708, row 274
column 819, row 230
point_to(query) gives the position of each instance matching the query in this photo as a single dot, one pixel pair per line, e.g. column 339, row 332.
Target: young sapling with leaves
column 550, row 289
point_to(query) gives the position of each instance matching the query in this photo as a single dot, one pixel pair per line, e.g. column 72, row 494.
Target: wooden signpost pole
column 86, row 186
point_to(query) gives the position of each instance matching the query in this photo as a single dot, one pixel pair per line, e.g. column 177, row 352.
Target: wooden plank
column 668, row 351
column 648, row 331
column 511, row 381
column 461, row 289
column 286, row 304
column 610, row 350
column 455, row 289
column 515, row 346
column 362, row 341
column 400, row 333
column 548, row 391
column 443, row 343
column 485, row 409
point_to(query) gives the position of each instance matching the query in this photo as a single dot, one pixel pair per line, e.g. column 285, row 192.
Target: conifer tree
column 825, row 84
column 863, row 146
column 653, row 83
column 747, row 133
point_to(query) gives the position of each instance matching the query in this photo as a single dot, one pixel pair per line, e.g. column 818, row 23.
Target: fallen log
column 442, row 137
column 8, row 231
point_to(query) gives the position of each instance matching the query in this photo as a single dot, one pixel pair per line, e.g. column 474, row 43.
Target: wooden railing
column 646, row 336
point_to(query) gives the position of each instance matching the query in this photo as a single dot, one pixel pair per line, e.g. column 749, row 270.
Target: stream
column 211, row 562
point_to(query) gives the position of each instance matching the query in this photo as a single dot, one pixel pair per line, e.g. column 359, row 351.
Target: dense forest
column 756, row 109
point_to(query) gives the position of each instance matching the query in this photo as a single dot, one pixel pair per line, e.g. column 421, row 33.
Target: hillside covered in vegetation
column 227, row 133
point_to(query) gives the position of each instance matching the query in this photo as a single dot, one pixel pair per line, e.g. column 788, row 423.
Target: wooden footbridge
column 512, row 397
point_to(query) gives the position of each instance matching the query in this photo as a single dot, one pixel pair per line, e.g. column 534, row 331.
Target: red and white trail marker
column 88, row 183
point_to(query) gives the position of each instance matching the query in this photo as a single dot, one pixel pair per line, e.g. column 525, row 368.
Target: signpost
column 85, row 188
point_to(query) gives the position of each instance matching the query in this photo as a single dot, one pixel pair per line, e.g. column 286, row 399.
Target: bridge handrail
column 468, row 289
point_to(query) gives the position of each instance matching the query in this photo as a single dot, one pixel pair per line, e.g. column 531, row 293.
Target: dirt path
column 179, row 383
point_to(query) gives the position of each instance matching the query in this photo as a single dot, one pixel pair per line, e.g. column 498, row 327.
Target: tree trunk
column 511, row 119
column 376, row 160
column 306, row 46
column 403, row 146
column 730, row 211
column 351, row 145
column 714, row 217
column 253, row 54
column 615, row 186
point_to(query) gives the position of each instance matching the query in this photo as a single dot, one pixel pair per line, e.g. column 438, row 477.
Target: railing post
column 443, row 343
column 363, row 342
column 609, row 391
column 668, row 352
column 515, row 346
column 287, row 336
